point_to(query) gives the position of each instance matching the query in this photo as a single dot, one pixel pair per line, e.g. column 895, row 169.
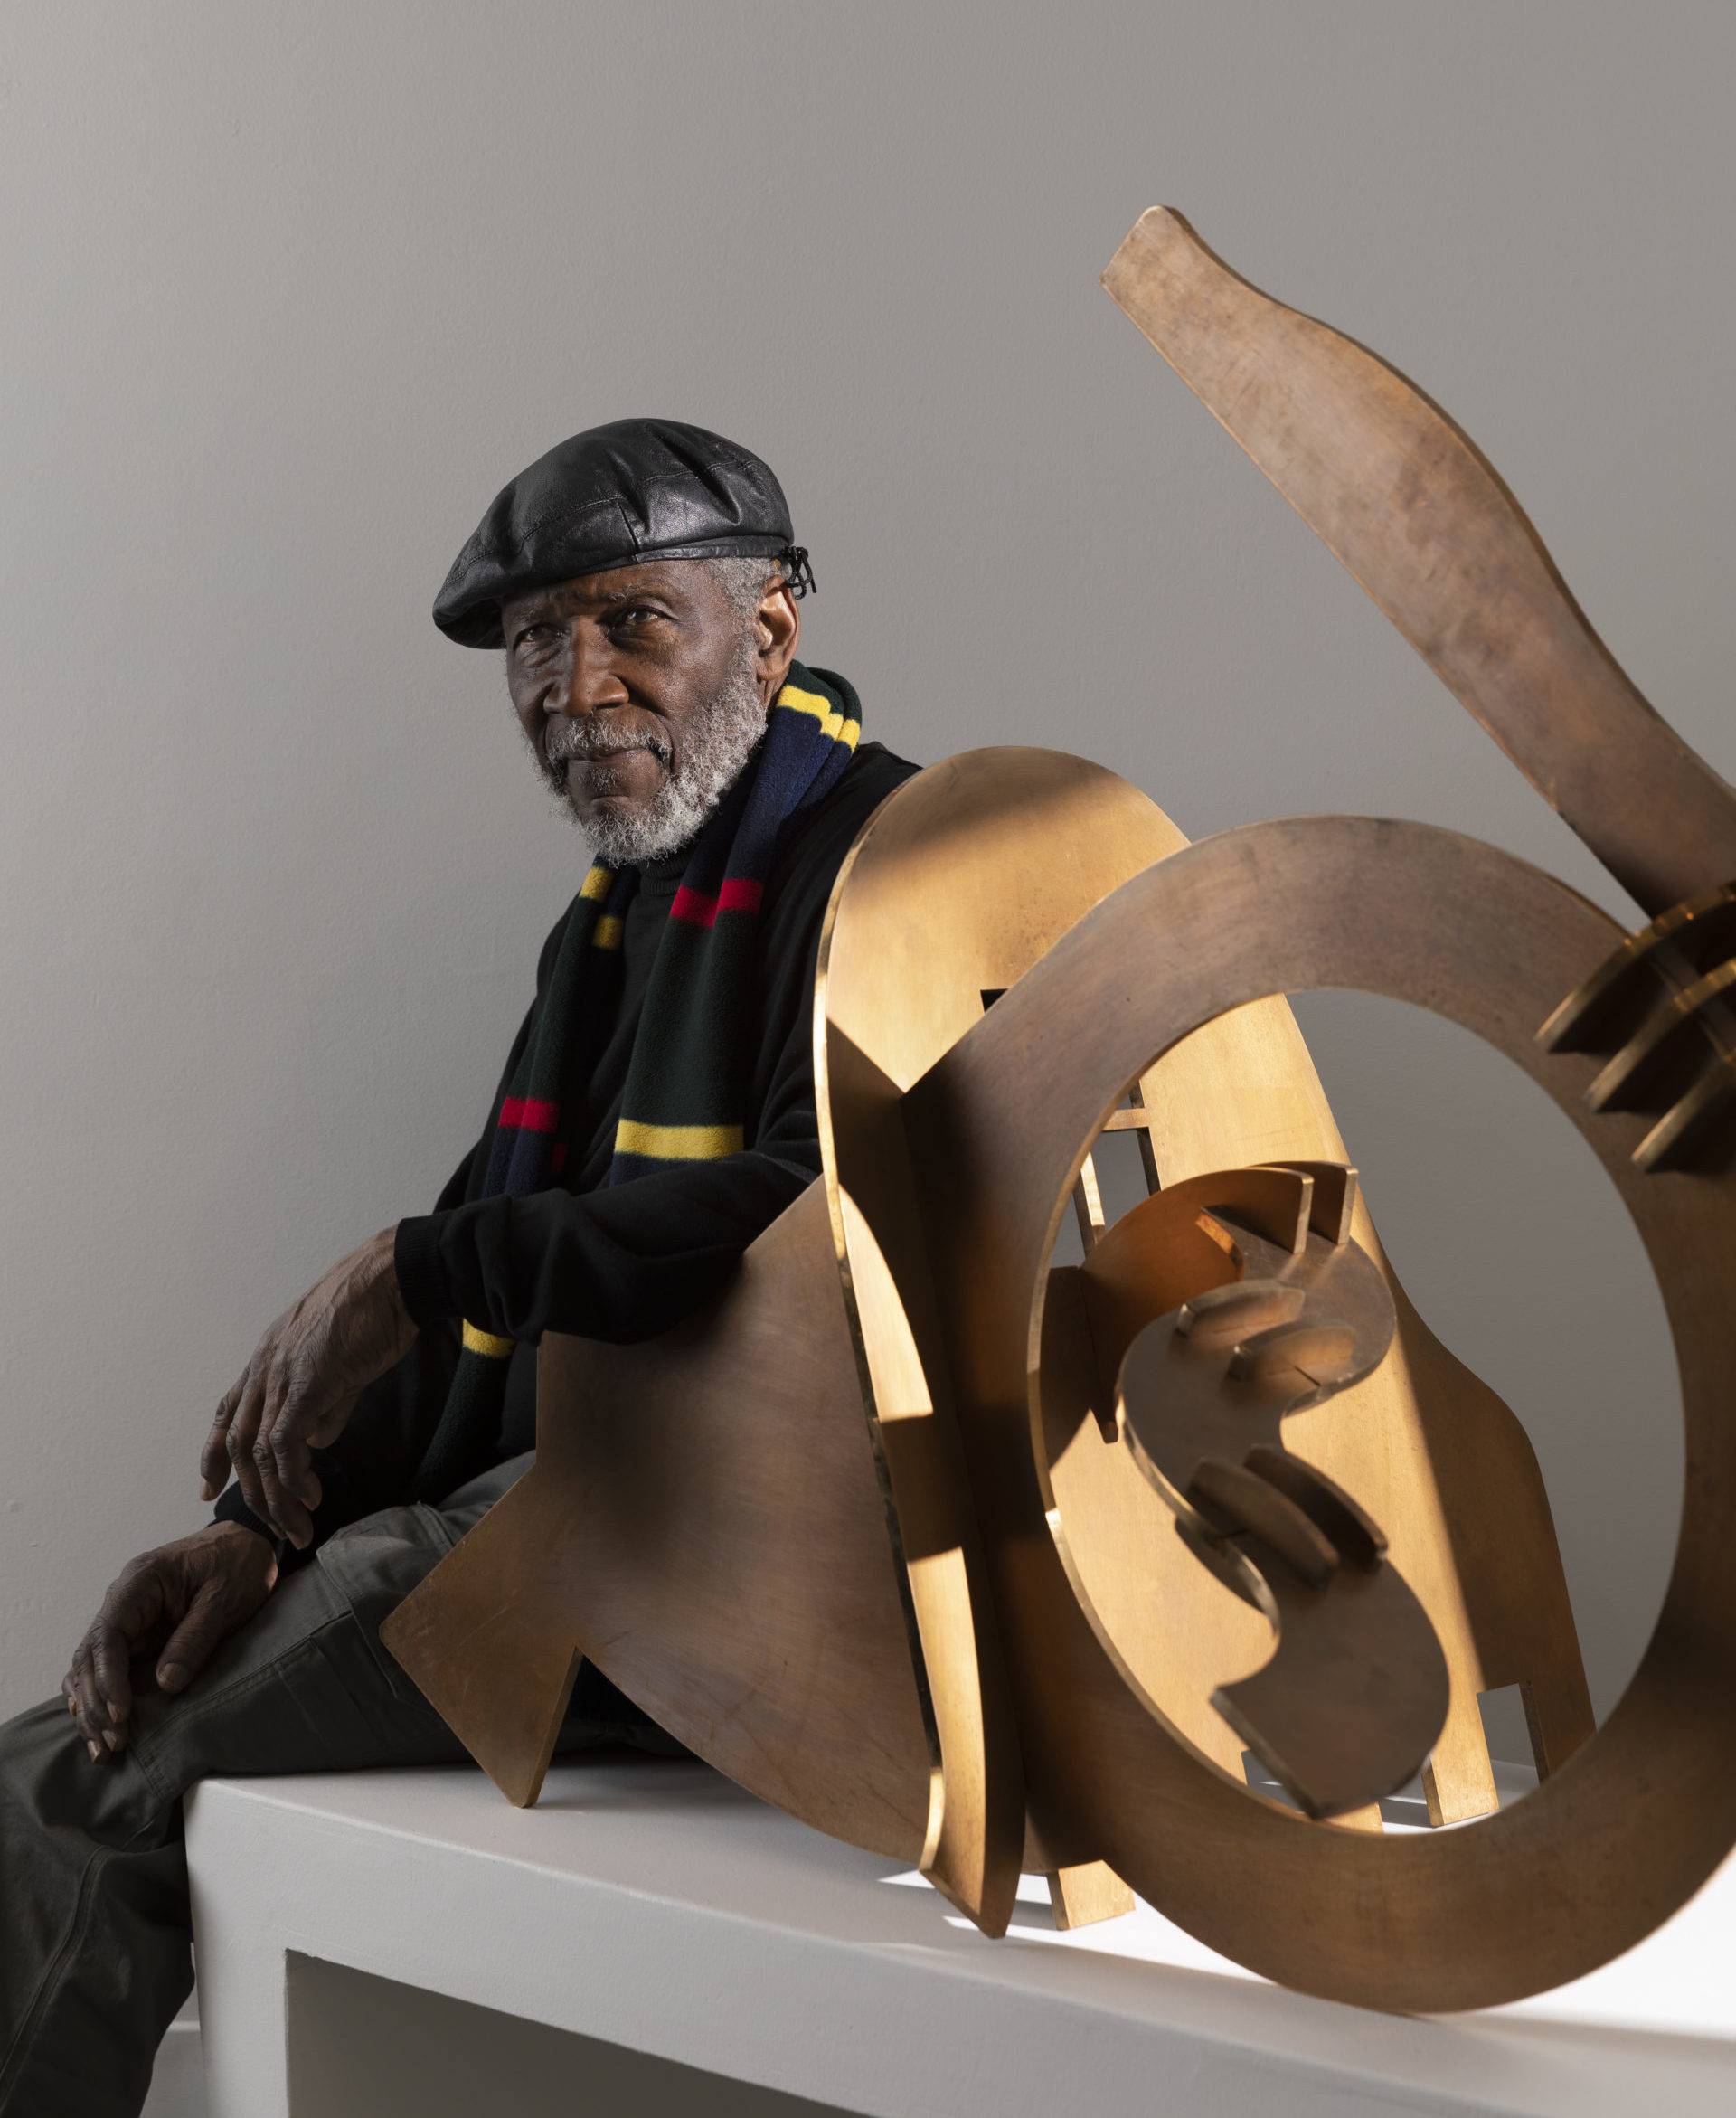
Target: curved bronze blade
column 1411, row 508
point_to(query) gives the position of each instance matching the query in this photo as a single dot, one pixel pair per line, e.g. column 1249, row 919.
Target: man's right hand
column 297, row 1392
column 179, row 1601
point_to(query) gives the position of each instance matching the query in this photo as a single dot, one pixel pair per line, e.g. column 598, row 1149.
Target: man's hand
column 301, row 1385
column 180, row 1601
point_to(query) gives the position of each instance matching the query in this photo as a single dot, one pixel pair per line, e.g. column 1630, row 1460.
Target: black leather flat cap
column 615, row 495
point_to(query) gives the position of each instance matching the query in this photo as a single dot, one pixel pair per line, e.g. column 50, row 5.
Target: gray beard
column 718, row 746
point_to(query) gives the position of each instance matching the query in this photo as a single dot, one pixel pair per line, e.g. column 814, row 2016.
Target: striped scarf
column 686, row 1078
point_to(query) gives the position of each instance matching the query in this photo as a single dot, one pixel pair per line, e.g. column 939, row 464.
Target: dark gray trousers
column 95, row 1926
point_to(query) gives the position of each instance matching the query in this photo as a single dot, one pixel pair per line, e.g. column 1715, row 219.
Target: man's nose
column 590, row 681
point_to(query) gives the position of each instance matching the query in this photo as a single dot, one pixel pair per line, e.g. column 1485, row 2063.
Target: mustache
column 580, row 741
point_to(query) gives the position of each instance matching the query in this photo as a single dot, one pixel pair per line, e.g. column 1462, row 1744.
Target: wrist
column 227, row 1528
column 247, row 1548
column 380, row 1267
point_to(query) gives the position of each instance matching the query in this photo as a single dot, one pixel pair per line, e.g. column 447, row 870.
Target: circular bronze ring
column 1615, row 1841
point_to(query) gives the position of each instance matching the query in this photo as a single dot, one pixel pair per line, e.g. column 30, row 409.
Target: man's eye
column 534, row 639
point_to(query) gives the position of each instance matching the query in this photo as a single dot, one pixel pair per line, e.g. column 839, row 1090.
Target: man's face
column 638, row 688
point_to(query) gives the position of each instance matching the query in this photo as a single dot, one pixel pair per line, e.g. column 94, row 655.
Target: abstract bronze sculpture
column 1030, row 1621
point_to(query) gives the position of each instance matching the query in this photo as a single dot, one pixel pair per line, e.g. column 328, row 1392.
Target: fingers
column 279, row 1454
column 242, row 1431
column 308, row 1421
column 302, row 1383
column 319, row 1423
column 99, row 1691
column 196, row 1591
column 273, row 1406
column 233, row 1442
column 86, row 1707
column 231, row 1572
column 111, row 1667
column 195, row 1640
column 213, row 1458
column 68, row 1692
column 324, row 1430
column 80, row 1715
column 298, row 1488
column 302, row 1403
column 146, row 1591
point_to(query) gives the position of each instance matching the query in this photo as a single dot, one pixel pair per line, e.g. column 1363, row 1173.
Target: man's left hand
column 299, row 1388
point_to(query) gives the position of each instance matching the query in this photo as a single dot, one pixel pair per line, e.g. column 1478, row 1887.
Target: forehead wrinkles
column 595, row 595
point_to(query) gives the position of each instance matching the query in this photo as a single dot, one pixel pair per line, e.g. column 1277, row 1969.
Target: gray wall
column 291, row 292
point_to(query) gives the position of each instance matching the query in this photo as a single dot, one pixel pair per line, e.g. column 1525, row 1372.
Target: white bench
column 648, row 1918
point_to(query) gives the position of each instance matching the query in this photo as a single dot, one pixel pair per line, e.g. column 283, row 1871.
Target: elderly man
column 656, row 1112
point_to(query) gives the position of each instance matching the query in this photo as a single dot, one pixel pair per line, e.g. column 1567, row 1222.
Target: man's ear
column 781, row 633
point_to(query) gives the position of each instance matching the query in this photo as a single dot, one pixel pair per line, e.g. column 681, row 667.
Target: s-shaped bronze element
column 1289, row 1311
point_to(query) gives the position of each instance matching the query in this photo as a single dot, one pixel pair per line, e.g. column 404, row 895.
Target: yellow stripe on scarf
column 609, row 934
column 832, row 722
column 485, row 1343
column 677, row 1143
column 595, row 887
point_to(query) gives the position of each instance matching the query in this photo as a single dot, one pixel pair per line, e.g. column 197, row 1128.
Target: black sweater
column 620, row 1264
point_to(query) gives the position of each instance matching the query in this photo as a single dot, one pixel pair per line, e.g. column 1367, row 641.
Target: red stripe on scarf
column 739, row 894
column 530, row 1113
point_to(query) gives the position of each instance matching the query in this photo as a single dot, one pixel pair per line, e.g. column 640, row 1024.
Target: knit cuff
column 416, row 1260
column 232, row 1507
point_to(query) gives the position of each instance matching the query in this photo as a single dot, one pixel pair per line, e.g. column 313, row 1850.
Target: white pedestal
column 657, row 1908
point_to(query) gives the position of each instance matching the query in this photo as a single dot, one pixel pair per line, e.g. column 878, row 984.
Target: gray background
column 289, row 292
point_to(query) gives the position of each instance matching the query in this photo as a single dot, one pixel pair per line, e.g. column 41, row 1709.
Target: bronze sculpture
column 1083, row 1470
